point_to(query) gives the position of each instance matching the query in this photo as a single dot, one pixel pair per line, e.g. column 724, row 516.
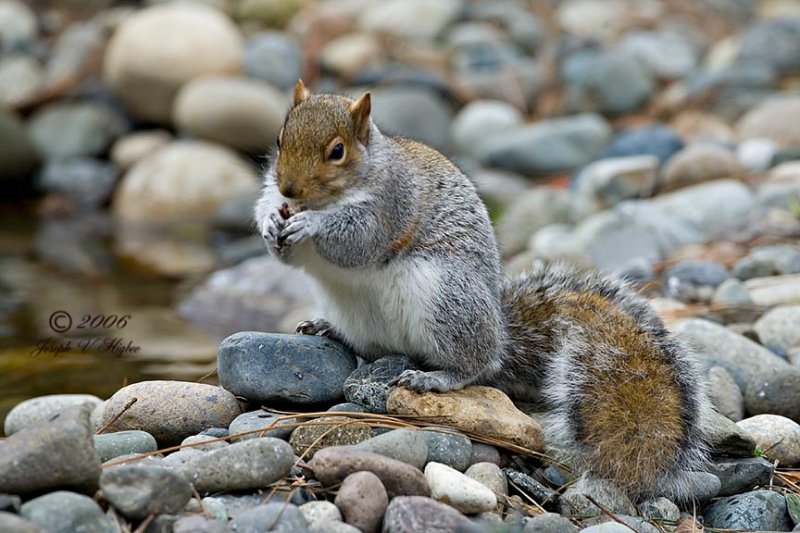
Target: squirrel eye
column 337, row 152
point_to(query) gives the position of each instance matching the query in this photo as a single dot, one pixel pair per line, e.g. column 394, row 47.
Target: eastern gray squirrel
column 406, row 262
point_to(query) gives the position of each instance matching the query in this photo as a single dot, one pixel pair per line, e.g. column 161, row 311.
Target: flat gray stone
column 741, row 475
column 276, row 517
column 409, row 514
column 66, row 512
column 137, row 491
column 13, row 522
column 29, row 412
column 760, row 510
column 406, row 445
column 258, row 420
column 111, row 445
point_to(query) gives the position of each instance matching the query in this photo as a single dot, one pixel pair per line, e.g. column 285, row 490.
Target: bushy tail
column 626, row 401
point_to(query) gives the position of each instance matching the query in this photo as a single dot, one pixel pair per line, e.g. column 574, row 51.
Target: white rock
column 319, row 513
column 774, row 290
column 17, row 24
column 347, row 54
column 777, row 436
column 158, row 49
column 135, row 146
column 243, row 114
column 756, row 154
column 415, row 19
column 480, row 118
column 21, row 79
column 457, row 490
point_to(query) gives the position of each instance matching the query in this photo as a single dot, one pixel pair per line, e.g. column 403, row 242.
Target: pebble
column 531, row 211
column 204, row 443
column 18, row 154
column 667, row 54
column 702, row 486
column 605, row 82
column 111, row 445
column 725, row 437
column 774, row 42
column 18, row 26
column 574, row 501
column 549, row 523
column 197, row 524
column 725, row 394
column 765, row 261
column 484, row 453
column 32, row 412
column 407, row 514
column 88, row 182
column 406, row 445
column 300, row 369
column 448, row 446
column 757, row 154
column 609, row 527
column 66, row 511
column 21, row 80
column 275, row 516
column 698, row 163
column 760, row 510
column 162, row 47
column 346, row 55
column 779, row 328
column 457, row 490
column 774, row 290
column 659, row 508
column 482, row 410
column 133, row 147
column 414, row 112
column 12, row 522
column 137, row 491
column 318, row 513
column 185, row 180
column 657, row 139
column 543, row 495
column 363, row 501
column 10, row 503
column 258, row 420
column 368, row 385
column 480, row 118
column 687, row 279
column 731, row 292
column 696, row 126
column 741, row 475
column 59, row 452
column 74, row 53
column 171, row 410
column 721, row 203
column 607, row 182
column 774, row 392
column 548, row 146
column 332, row 465
column 772, row 119
column 273, row 57
column 409, row 19
column 241, row 114
column 777, row 437
column 490, row 475
column 308, row 439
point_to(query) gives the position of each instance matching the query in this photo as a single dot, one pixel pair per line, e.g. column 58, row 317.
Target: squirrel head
column 321, row 145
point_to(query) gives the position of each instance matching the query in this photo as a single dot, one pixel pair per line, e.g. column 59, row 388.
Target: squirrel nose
column 288, row 190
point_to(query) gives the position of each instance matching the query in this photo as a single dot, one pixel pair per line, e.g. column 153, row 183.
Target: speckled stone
column 760, row 510
column 337, row 431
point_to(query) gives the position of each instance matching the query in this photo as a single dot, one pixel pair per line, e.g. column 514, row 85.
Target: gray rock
column 204, row 443
column 772, row 119
column 725, row 394
column 774, row 42
column 181, row 458
column 224, row 506
column 714, row 341
column 346, row 407
column 449, row 447
column 258, row 420
column 250, row 464
column 727, row 438
column 197, row 524
column 762, row 510
column 608, row 527
column 702, row 486
column 490, row 475
column 407, row 514
column 659, row 508
column 88, row 182
column 531, row 211
column 65, row 512
column 731, row 292
column 273, row 57
column 574, row 500
column 549, row 523
column 301, row 369
column 484, row 453
column 544, row 496
column 777, row 437
column 548, row 146
column 73, row 52
column 36, row 410
column 667, row 54
column 18, row 26
column 741, row 475
column 363, row 501
column 774, row 392
column 368, row 385
column 18, row 154
column 774, row 290
column 171, row 410
column 21, row 79
column 770, row 260
column 779, row 328
column 480, row 118
column 137, row 491
column 406, row 445
column 277, row 517
column 698, row 163
column 605, row 82
column 607, row 182
column 656, row 139
column 605, row 524
column 319, row 512
column 711, row 205
column 59, row 452
column 111, row 445
column 66, row 130
column 689, row 279
column 10, row 503
column 12, row 522
column 409, row 19
column 414, row 112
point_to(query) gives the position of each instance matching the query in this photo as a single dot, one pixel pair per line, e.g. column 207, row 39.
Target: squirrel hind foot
column 421, row 381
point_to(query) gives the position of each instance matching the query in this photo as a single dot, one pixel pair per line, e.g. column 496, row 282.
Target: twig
column 116, row 417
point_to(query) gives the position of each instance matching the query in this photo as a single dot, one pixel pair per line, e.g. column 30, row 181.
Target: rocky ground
column 655, row 140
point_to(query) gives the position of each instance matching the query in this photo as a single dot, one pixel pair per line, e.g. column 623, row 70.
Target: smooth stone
column 225, row 506
column 574, row 501
column 133, row 147
column 484, row 453
column 59, row 452
column 111, row 445
column 760, row 510
column 363, row 501
column 725, row 437
column 275, row 516
column 774, row 392
column 490, row 475
column 694, row 127
column 346, row 407
column 334, row 527
column 483, row 410
column 459, row 491
column 138, row 491
column 779, row 328
column 252, row 464
column 608, row 527
column 659, row 508
column 548, row 146
column 13, row 522
column 63, row 511
column 259, row 420
column 702, row 486
column 549, row 523
column 414, row 112
column 197, row 524
column 242, row 114
column 332, row 465
column 346, row 55
column 185, row 180
column 605, row 524
column 777, row 437
column 22, row 79
column 160, row 48
column 774, row 42
column 82, row 129
column 769, row 260
column 543, row 495
column 320, row 512
column 698, row 163
column 408, row 19
column 725, row 394
column 711, row 340
column 448, row 446
column 741, row 475
column 531, row 211
column 774, row 119
column 171, row 410
column 18, row 154
column 731, row 292
column 32, row 412
column 204, row 443
column 606, row 82
column 654, row 139
column 684, row 279
column 306, row 440
column 667, row 54
column 406, row 445
column 774, row 290
column 710, row 205
column 607, row 182
column 18, row 25
column 273, row 57
column 368, row 385
column 480, row 118
column 409, row 514
column 86, row 181
column 181, row 458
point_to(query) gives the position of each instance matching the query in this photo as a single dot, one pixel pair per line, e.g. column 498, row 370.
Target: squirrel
column 406, row 261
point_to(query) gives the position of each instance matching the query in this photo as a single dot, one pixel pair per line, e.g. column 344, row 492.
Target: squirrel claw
column 420, row 381
column 317, row 326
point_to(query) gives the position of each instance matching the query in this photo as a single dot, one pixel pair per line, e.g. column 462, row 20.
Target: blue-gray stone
column 368, row 385
column 760, row 510
column 258, row 420
column 66, row 512
column 449, row 447
column 657, row 139
column 774, row 392
column 197, row 524
column 268, row 367
column 545, row 496
column 10, row 503
column 415, row 112
column 698, row 272
column 274, row 57
column 773, row 260
column 549, row 523
column 406, row 445
column 110, row 445
column 277, row 517
column 774, row 42
column 87, row 181
column 35, row 410
column 14, row 523
column 137, row 491
column 741, row 475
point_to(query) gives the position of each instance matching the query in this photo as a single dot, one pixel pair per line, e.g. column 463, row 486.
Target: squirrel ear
column 359, row 110
column 300, row 92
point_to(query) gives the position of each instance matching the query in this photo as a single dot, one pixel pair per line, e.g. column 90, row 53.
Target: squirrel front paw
column 299, row 227
column 316, row 326
column 420, row 381
column 272, row 226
